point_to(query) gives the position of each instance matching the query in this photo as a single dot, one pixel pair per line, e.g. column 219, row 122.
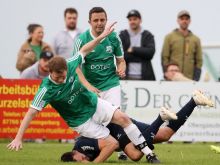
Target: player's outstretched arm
column 16, row 144
column 87, row 48
column 107, row 146
column 85, row 82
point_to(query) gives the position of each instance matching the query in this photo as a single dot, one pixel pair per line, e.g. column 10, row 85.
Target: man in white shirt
column 63, row 42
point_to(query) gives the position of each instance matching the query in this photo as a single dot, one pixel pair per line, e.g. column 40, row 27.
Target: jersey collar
column 56, row 82
column 93, row 37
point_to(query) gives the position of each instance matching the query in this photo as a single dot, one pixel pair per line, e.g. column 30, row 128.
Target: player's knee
column 162, row 137
column 135, row 156
column 124, row 120
column 167, row 137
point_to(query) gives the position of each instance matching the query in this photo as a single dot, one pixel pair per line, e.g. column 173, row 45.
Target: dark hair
column 67, row 157
column 57, row 64
column 167, row 66
column 71, row 11
column 96, row 10
column 31, row 28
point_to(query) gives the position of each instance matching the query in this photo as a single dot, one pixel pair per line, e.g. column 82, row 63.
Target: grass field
column 49, row 153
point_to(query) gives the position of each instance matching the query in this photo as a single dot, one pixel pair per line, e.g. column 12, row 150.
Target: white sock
column 136, row 137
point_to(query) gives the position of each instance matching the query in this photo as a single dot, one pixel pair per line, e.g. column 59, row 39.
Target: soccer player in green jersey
column 81, row 109
column 99, row 69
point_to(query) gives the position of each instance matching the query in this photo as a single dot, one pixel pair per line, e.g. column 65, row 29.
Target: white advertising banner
column 142, row 100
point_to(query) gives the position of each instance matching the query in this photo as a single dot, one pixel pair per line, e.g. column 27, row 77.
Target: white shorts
column 112, row 95
column 95, row 127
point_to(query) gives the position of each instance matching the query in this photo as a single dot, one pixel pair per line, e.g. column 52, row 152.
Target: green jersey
column 71, row 99
column 37, row 50
column 99, row 67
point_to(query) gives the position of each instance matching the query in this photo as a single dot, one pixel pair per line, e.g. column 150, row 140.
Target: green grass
column 49, row 153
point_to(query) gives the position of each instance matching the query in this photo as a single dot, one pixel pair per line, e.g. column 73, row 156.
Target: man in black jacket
column 139, row 49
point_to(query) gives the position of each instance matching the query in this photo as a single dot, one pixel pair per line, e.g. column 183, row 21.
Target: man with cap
column 139, row 49
column 182, row 47
column 40, row 69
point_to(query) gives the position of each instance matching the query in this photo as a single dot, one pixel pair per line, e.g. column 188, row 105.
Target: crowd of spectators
column 181, row 55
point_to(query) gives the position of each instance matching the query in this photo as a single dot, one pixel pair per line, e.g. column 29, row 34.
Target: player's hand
column 121, row 73
column 95, row 90
column 121, row 70
column 108, row 30
column 15, row 145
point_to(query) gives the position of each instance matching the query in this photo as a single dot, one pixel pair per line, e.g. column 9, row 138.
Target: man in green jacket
column 182, row 47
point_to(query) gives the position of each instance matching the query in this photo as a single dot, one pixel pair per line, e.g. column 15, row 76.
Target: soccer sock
column 182, row 115
column 136, row 137
column 152, row 130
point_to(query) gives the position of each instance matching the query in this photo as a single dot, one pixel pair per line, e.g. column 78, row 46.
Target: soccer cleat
column 122, row 156
column 201, row 99
column 165, row 114
column 152, row 158
column 216, row 149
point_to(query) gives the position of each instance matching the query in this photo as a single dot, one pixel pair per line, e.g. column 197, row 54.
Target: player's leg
column 107, row 113
column 131, row 131
column 134, row 154
column 148, row 132
column 164, row 134
column 152, row 130
column 113, row 95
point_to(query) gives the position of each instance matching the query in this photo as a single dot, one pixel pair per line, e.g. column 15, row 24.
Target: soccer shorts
column 95, row 127
column 112, row 95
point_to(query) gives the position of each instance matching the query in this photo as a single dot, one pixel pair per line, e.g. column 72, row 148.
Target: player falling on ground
column 81, row 109
column 152, row 133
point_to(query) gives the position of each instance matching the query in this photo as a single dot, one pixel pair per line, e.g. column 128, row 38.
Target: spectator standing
column 64, row 40
column 139, row 49
column 40, row 69
column 182, row 47
column 30, row 51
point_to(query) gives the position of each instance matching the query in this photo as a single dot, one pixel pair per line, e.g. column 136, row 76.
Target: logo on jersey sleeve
column 109, row 49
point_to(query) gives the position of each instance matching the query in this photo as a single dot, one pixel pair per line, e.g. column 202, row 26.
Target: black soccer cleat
column 122, row 156
column 152, row 158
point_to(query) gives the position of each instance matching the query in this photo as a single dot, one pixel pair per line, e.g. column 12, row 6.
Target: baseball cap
column 183, row 13
column 134, row 13
column 46, row 55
